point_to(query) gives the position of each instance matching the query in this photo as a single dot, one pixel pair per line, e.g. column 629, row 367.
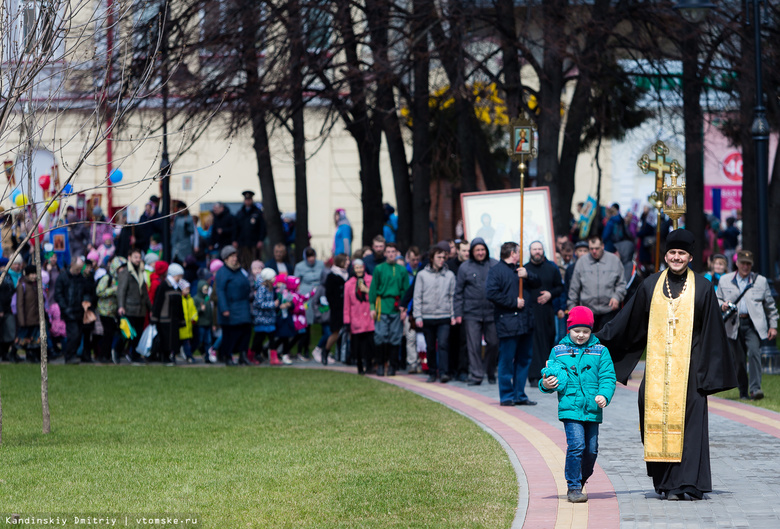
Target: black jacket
column 550, row 279
column 7, row 292
column 471, row 302
column 70, row 291
column 503, row 290
column 250, row 226
column 223, row 230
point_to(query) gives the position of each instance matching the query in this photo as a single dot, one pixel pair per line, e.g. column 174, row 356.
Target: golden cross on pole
column 660, row 167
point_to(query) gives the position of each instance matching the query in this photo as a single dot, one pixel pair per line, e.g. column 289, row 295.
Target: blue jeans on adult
column 514, row 360
column 582, row 439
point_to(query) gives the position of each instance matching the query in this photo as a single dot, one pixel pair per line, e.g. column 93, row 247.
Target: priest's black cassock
column 544, row 315
column 711, row 371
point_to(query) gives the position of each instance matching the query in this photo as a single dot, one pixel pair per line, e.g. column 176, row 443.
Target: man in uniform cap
column 754, row 320
column 250, row 231
column 675, row 316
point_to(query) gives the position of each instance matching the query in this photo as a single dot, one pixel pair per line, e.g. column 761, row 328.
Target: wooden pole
column 522, row 168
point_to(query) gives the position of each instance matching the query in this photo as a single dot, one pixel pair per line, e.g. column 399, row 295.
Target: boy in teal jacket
column 580, row 370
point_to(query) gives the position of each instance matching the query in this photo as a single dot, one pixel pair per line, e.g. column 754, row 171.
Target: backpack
column 618, row 232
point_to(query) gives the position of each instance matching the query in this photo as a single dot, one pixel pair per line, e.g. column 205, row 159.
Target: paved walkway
column 744, row 449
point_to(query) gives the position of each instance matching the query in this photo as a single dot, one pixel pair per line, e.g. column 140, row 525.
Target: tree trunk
column 694, row 145
column 572, row 145
column 401, row 180
column 505, row 20
column 44, row 342
column 378, row 18
column 549, row 120
column 421, row 144
column 299, row 138
column 366, row 131
column 265, row 175
column 371, row 194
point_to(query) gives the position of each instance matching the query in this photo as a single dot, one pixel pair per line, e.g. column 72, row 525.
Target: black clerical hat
column 680, row 240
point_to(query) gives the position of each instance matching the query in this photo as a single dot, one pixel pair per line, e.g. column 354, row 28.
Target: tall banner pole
column 522, row 149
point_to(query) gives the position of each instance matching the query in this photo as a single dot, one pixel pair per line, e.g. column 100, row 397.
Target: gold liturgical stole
column 666, row 372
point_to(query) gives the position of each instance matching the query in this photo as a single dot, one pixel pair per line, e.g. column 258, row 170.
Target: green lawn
column 249, row 447
column 770, row 384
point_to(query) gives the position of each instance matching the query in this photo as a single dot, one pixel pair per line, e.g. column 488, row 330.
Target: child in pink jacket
column 357, row 315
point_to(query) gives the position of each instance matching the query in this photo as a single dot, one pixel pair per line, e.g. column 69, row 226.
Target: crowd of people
column 448, row 311
column 452, row 312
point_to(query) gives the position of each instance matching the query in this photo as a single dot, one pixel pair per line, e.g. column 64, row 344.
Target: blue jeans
column 582, row 439
column 204, row 339
column 514, row 360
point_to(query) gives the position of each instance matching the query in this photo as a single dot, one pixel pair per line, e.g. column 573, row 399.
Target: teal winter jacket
column 583, row 371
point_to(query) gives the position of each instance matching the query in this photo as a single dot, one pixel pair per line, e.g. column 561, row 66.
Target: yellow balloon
column 54, row 206
column 21, row 200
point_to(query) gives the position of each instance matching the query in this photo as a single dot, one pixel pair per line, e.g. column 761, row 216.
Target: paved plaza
column 744, row 448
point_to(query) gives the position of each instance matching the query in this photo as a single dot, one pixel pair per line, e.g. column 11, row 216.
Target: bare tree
column 52, row 54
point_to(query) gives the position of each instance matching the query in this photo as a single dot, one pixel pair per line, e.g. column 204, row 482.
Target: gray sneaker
column 576, row 496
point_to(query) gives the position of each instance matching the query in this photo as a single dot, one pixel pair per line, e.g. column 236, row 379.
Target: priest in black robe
column 544, row 314
column 675, row 316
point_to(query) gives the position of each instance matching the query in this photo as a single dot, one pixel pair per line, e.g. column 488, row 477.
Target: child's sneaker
column 212, row 356
column 576, row 496
column 286, row 359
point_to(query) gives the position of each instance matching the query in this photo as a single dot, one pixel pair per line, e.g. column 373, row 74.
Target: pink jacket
column 357, row 314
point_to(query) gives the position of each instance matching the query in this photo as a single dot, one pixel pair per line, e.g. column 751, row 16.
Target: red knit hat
column 580, row 317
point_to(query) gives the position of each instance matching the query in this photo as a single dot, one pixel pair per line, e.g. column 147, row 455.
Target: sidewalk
column 744, row 451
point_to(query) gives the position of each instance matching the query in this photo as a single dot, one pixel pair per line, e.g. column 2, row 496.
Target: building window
column 38, row 25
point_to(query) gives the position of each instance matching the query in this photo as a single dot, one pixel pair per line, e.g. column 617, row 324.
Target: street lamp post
column 695, row 11
column 760, row 132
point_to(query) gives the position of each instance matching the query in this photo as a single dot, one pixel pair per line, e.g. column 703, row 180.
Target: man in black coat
column 223, row 228
column 544, row 314
column 72, row 293
column 514, row 322
column 476, row 313
column 250, row 231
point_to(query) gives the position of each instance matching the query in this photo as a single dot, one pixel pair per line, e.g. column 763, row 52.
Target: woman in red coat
column 357, row 315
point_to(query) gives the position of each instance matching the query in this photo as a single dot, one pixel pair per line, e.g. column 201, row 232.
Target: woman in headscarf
column 234, row 315
column 357, row 316
column 157, row 277
column 168, row 313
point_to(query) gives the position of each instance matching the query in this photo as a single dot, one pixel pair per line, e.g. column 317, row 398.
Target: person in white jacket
column 754, row 319
column 434, row 291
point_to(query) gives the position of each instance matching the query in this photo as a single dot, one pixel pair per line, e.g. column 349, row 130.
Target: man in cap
column 250, row 231
column 755, row 319
column 675, row 316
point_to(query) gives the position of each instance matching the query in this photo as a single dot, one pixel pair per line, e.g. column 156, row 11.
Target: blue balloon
column 15, row 193
column 67, row 190
column 116, row 176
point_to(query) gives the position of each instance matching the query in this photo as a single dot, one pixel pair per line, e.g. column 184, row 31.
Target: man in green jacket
column 388, row 284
